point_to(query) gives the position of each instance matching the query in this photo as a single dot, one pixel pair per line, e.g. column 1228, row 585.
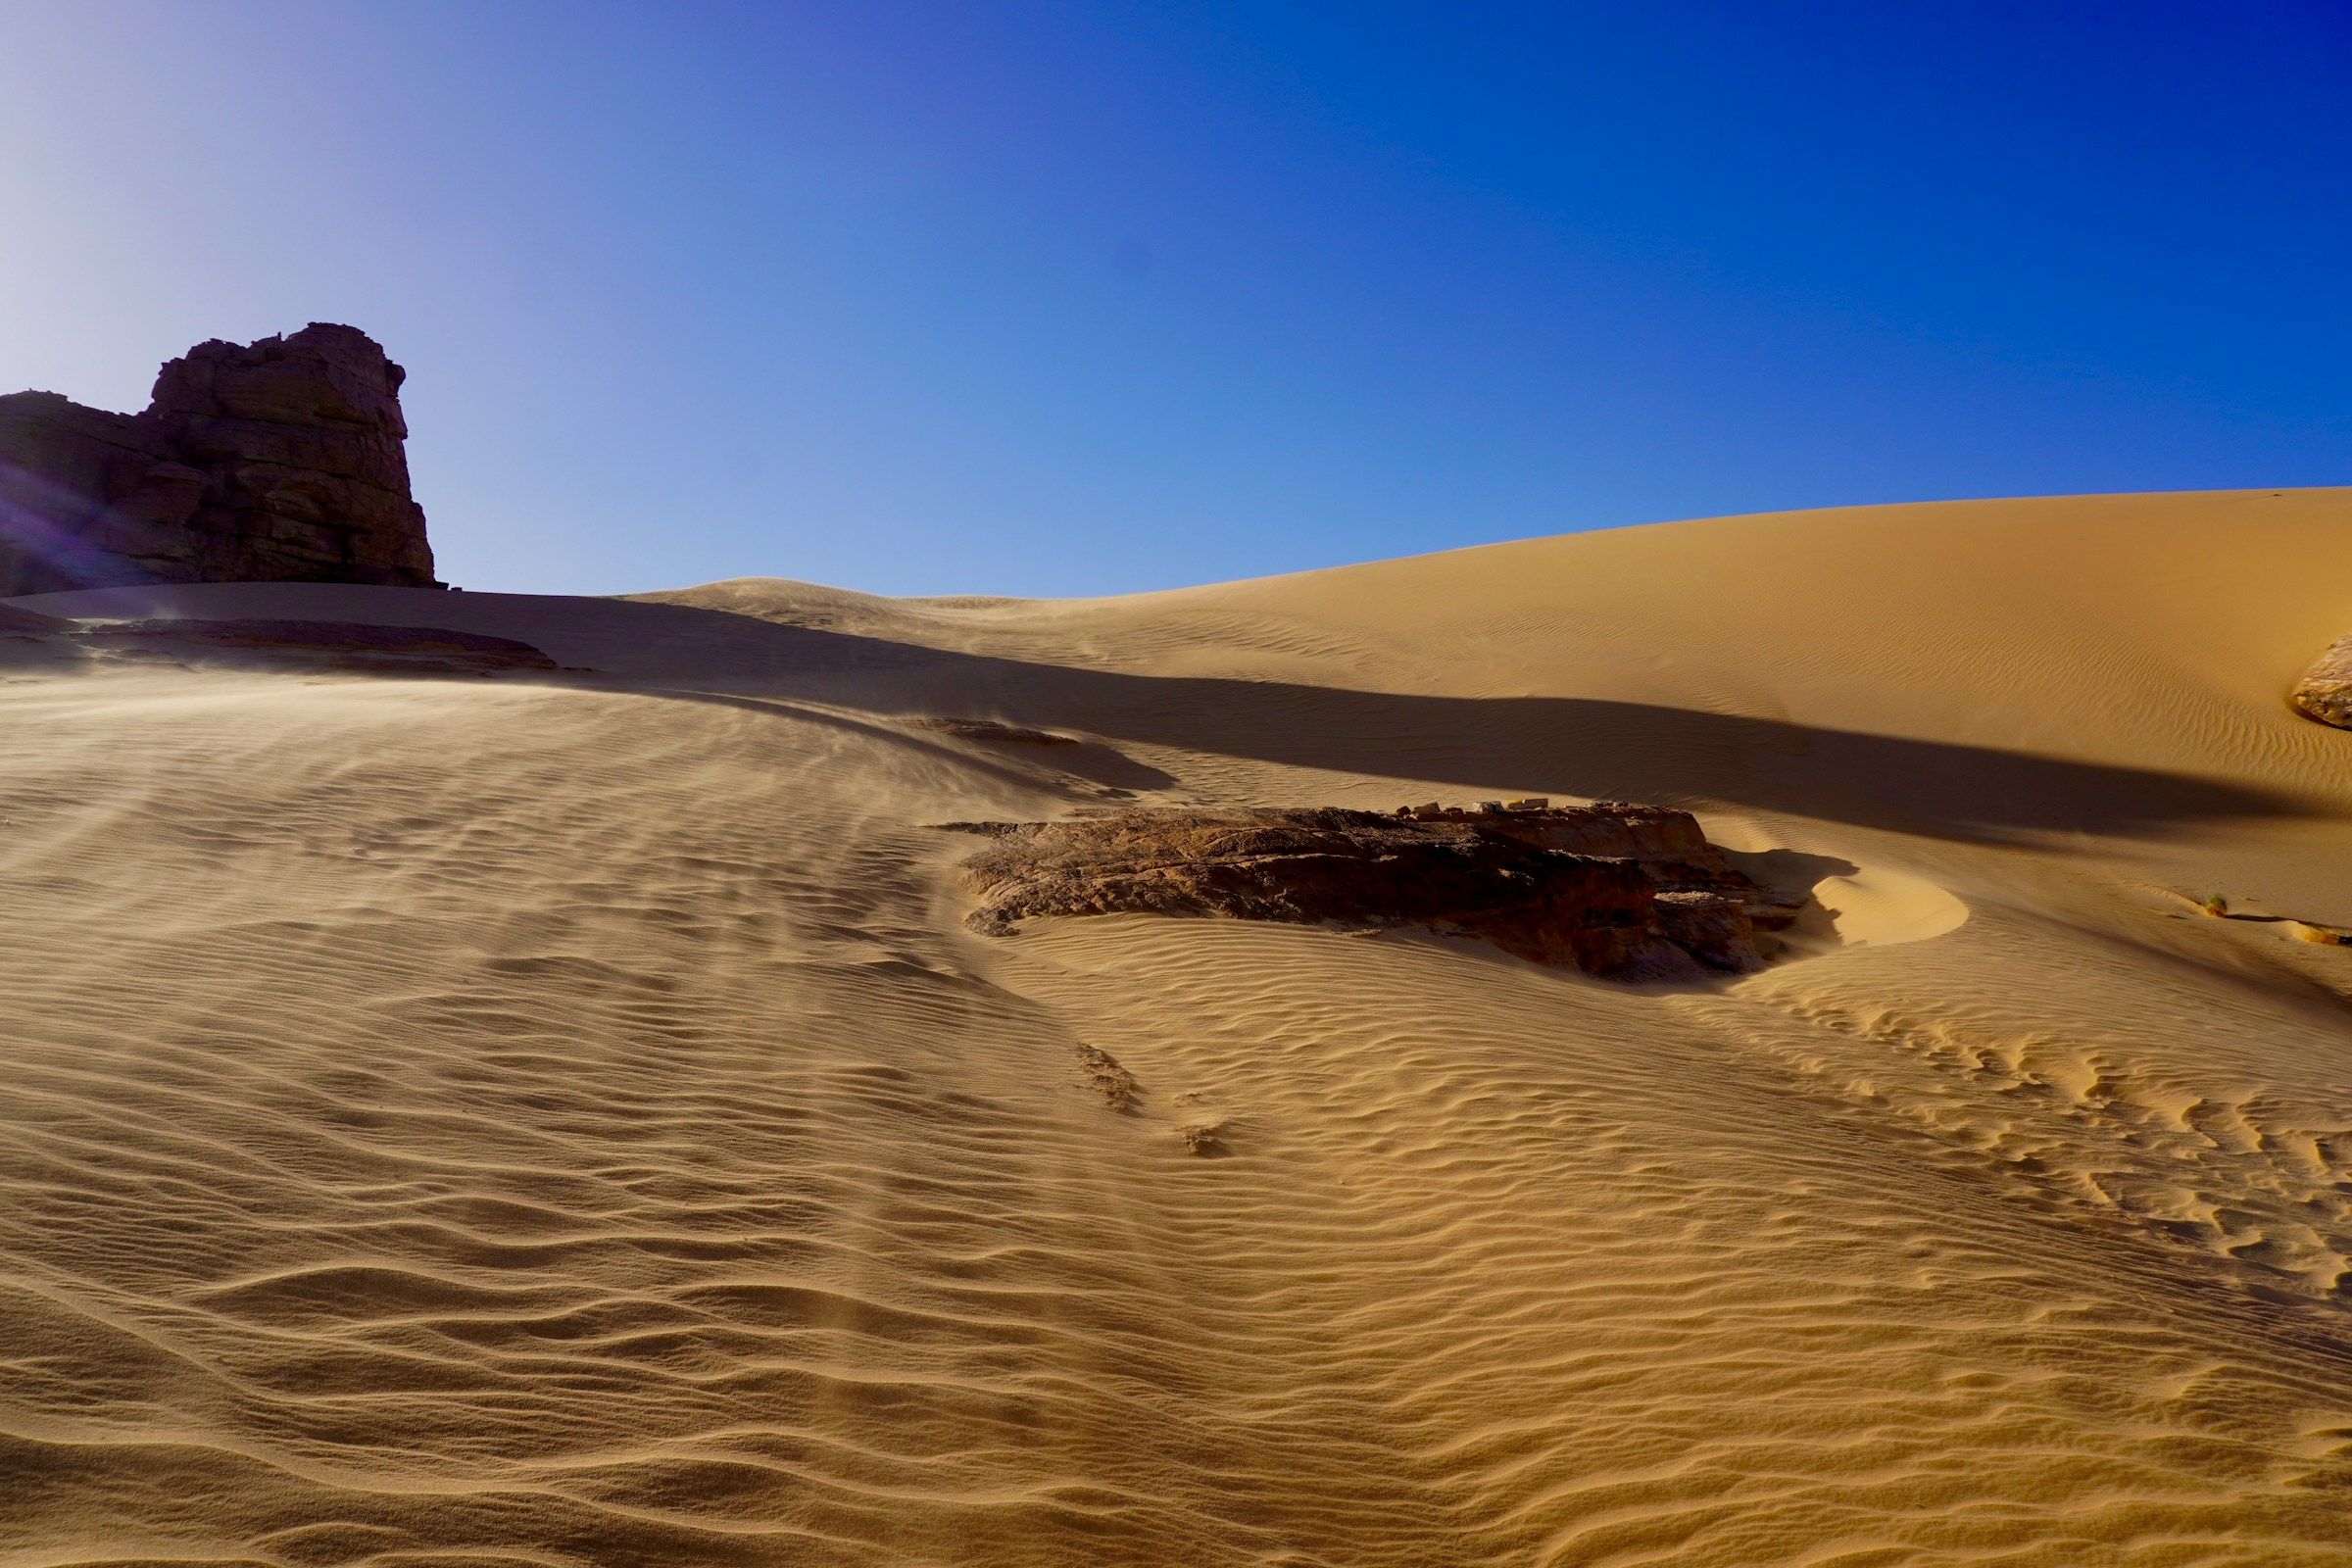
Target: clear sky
column 1077, row 298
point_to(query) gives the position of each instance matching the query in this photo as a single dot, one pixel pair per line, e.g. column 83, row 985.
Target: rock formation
column 277, row 462
column 2325, row 692
column 1609, row 889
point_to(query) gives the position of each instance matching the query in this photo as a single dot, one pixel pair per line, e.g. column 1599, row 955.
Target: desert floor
column 542, row 1120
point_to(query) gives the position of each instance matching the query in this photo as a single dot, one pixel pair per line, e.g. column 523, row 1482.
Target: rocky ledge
column 281, row 461
column 1611, row 889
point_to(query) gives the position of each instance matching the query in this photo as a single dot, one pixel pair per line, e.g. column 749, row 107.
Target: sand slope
column 561, row 1120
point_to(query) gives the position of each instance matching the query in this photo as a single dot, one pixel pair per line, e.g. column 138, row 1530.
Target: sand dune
column 561, row 1118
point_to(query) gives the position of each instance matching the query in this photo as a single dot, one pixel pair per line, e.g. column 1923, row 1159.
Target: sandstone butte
column 281, row 461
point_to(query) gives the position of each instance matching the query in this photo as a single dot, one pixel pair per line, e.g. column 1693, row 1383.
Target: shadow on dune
column 1562, row 745
column 1565, row 745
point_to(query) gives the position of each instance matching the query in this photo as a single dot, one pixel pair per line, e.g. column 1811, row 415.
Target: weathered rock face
column 277, row 462
column 1656, row 896
column 2325, row 692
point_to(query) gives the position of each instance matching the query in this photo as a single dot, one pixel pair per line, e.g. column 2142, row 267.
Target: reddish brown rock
column 1664, row 896
column 1668, row 845
column 280, row 461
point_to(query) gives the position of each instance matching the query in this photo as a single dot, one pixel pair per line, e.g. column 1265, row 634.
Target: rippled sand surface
column 563, row 1120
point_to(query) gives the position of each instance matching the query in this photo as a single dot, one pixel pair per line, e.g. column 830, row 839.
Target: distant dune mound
column 281, row 461
column 988, row 729
column 347, row 647
column 1619, row 890
column 344, row 644
column 15, row 622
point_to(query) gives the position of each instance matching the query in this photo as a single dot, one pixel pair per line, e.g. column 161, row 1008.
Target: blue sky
column 1083, row 298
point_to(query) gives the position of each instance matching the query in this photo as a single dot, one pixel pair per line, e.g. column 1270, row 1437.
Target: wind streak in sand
column 536, row 1120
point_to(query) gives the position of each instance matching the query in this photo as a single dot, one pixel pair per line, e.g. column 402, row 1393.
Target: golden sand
column 563, row 1121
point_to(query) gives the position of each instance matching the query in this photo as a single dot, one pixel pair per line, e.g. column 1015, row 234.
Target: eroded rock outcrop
column 1608, row 889
column 280, row 461
column 2325, row 692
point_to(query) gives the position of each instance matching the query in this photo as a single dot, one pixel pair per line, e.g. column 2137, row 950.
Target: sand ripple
column 500, row 1126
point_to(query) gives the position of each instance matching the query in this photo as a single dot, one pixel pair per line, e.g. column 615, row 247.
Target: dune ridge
column 560, row 1117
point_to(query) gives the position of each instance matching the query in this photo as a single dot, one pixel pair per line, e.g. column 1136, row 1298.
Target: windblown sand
column 562, row 1119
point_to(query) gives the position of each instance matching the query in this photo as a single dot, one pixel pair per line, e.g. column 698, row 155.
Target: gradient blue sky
column 1081, row 298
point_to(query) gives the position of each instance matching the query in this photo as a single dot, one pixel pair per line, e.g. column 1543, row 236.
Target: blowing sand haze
column 562, row 1116
column 1204, row 946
